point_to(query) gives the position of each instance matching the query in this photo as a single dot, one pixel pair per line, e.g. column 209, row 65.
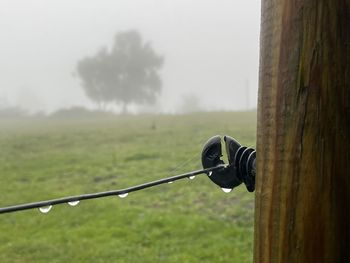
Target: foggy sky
column 210, row 48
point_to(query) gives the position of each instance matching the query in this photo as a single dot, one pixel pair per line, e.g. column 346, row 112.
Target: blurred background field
column 187, row 221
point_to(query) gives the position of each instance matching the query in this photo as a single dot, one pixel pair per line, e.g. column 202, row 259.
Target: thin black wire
column 63, row 200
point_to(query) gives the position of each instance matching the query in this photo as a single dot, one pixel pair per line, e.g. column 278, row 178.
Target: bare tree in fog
column 126, row 73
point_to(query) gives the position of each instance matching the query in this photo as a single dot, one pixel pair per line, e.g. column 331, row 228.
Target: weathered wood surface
column 303, row 141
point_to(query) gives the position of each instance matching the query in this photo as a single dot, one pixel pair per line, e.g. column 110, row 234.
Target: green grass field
column 187, row 221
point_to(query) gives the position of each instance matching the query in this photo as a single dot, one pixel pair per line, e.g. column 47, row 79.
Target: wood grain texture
column 302, row 211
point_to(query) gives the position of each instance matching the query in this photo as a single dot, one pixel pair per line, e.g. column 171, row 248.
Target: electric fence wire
column 121, row 192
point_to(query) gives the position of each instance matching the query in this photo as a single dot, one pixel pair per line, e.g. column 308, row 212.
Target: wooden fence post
column 302, row 211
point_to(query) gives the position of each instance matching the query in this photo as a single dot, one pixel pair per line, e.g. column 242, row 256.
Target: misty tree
column 126, row 73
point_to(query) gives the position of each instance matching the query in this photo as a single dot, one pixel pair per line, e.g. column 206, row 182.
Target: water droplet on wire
column 192, row 177
column 123, row 195
column 210, row 173
column 226, row 190
column 170, row 182
column 73, row 203
column 45, row 209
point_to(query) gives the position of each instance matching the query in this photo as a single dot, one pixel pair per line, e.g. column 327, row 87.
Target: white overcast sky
column 210, row 46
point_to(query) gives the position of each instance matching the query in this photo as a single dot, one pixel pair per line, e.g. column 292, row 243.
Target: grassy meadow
column 187, row 221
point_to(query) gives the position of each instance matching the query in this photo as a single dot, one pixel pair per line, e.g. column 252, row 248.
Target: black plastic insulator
column 241, row 168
